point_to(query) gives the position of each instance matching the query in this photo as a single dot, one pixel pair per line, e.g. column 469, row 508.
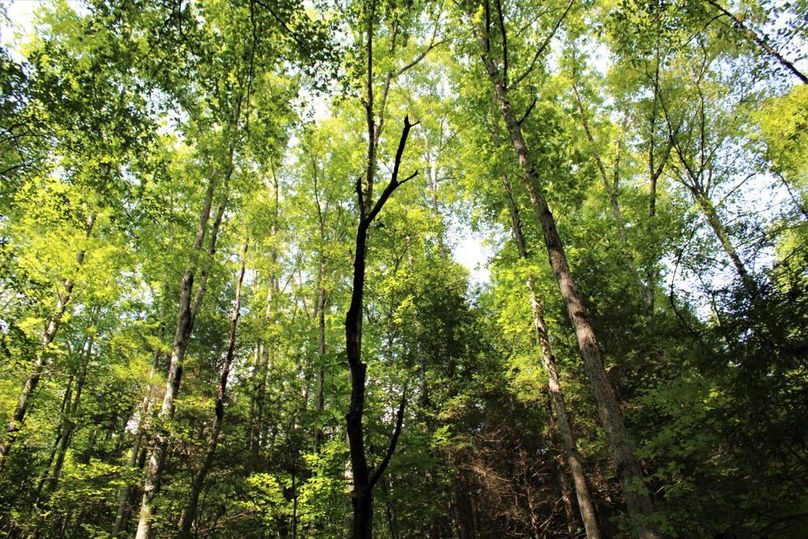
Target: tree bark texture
column 124, row 510
column 760, row 40
column 322, row 301
column 363, row 480
column 721, row 233
column 69, row 421
column 182, row 334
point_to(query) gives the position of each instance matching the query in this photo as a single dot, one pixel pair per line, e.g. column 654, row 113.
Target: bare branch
column 760, row 40
column 504, row 34
column 394, row 183
column 528, row 111
column 374, row 478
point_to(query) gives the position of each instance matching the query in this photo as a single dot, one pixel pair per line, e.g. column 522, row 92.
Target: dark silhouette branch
column 528, row 111
column 374, row 478
column 394, row 183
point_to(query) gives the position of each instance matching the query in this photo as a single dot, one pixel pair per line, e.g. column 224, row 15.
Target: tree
column 636, row 496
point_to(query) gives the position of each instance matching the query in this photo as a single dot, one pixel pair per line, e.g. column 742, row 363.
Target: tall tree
column 635, row 494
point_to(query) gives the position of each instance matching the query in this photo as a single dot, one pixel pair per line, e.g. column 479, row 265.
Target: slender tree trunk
column 69, row 422
column 43, row 355
column 361, row 497
column 656, row 165
column 320, row 400
column 257, row 405
column 566, row 496
column 189, row 515
column 650, row 271
column 124, row 497
column 721, row 233
column 182, row 334
column 262, row 358
column 136, row 454
column 60, row 431
column 638, row 501
column 363, row 479
column 611, row 188
column 585, row 505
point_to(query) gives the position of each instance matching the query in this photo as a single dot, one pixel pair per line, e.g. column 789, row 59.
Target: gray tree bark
column 585, row 505
column 188, row 306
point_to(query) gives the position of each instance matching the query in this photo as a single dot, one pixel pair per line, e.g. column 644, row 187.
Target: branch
column 421, row 56
column 760, row 40
column 283, row 23
column 432, row 44
column 359, row 195
column 673, row 133
column 543, row 46
column 501, row 20
column 528, row 111
column 374, row 478
column 487, row 38
column 394, row 183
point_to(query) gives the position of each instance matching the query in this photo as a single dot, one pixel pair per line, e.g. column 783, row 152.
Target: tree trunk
column 363, row 480
column 69, row 422
column 361, row 497
column 257, row 405
column 635, row 494
column 121, row 516
column 650, row 271
column 320, row 400
column 62, row 411
column 723, row 237
column 656, row 165
column 182, row 334
column 262, row 359
column 43, row 355
column 566, row 497
column 189, row 515
column 585, row 505
column 135, row 452
column 611, row 188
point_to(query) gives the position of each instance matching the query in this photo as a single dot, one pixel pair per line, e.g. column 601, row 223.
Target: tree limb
column 394, row 183
column 374, row 478
column 543, row 46
column 760, row 40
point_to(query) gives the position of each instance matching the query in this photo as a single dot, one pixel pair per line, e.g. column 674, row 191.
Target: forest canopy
column 403, row 268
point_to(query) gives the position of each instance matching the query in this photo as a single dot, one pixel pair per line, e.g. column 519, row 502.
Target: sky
column 19, row 14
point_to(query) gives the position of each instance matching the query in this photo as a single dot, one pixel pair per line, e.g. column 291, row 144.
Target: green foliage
column 122, row 114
